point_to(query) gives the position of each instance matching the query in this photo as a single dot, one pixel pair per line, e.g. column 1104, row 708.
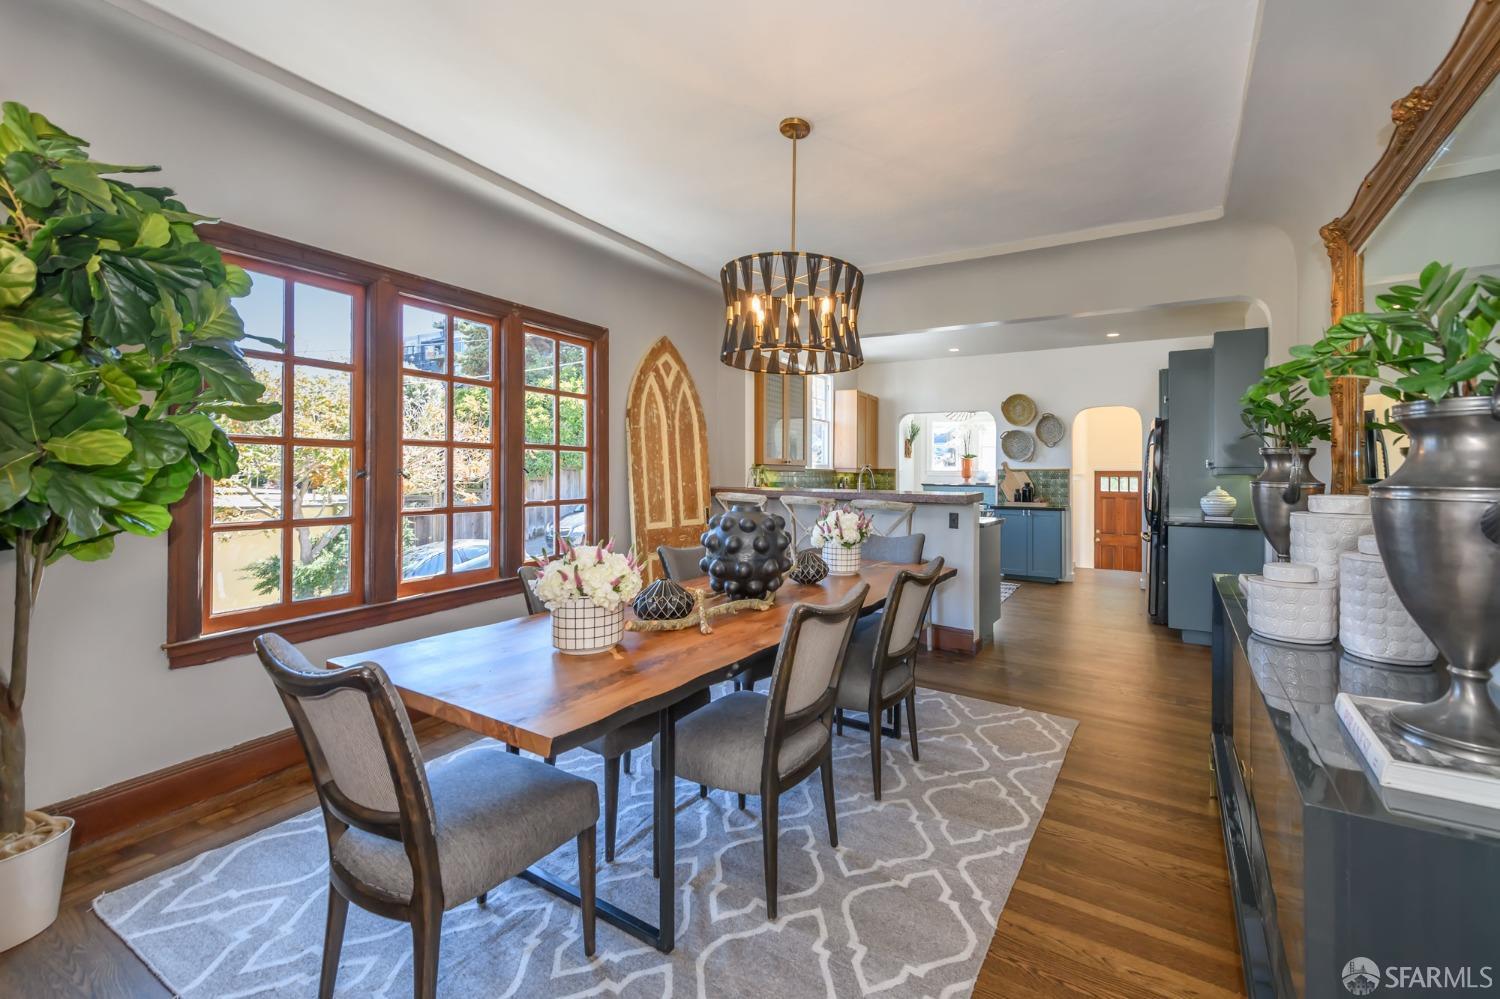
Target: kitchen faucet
column 859, row 481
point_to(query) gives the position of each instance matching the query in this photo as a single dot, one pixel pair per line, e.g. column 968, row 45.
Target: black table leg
column 666, row 829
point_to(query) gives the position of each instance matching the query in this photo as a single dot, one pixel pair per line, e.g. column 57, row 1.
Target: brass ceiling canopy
column 789, row 311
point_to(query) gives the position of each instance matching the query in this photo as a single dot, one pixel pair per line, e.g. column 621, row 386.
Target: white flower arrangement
column 595, row 573
column 842, row 526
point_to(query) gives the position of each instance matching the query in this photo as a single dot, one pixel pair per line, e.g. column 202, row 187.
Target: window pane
column 471, row 477
column 246, row 570
column 572, row 422
column 321, row 403
column 263, row 310
column 322, row 323
column 255, row 491
column 471, row 348
column 572, row 375
column 818, row 455
column 572, row 475
column 574, row 523
column 772, row 425
column 425, row 477
column 1135, row 483
column 424, row 549
column 819, row 397
column 269, row 374
column 424, row 408
column 471, row 413
column 540, row 418
column 424, row 338
column 320, row 561
column 320, row 483
column 471, row 541
column 541, row 533
column 539, row 360
column 539, row 467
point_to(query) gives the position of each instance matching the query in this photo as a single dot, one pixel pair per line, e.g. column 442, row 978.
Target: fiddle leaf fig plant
column 1275, row 409
column 120, row 365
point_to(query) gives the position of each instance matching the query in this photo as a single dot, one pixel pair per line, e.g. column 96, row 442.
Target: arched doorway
column 1108, row 443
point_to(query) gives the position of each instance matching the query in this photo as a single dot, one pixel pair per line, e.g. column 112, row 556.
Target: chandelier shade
column 789, row 311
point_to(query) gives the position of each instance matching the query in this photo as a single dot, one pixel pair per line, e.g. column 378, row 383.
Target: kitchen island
column 951, row 523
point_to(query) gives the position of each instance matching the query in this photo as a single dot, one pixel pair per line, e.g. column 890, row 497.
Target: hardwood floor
column 1123, row 892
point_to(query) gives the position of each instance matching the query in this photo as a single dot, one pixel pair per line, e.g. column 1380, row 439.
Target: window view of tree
column 819, row 421
column 556, row 458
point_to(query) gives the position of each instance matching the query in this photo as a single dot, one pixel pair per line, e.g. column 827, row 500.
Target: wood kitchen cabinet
column 856, row 429
column 780, row 419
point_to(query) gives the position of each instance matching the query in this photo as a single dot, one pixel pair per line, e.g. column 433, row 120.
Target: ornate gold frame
column 1424, row 119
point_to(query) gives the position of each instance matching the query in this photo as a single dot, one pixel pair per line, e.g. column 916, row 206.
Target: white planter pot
column 1329, row 527
column 1304, row 610
column 582, row 627
column 1373, row 623
column 31, row 887
column 841, row 561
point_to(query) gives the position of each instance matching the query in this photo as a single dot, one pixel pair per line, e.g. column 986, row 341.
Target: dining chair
column 880, row 664
column 409, row 844
column 529, row 575
column 681, row 563
column 903, row 549
column 763, row 744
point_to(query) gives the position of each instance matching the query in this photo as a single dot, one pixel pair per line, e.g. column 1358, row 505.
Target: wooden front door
column 1117, row 520
column 668, row 456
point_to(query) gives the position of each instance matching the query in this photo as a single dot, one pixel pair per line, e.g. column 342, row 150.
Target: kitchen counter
column 1196, row 520
column 934, row 499
column 1013, row 505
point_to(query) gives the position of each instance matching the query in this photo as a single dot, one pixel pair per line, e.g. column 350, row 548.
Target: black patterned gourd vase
column 663, row 600
column 747, row 552
column 809, row 567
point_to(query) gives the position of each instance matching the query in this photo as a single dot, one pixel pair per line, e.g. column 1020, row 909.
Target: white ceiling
column 968, row 129
column 1167, row 322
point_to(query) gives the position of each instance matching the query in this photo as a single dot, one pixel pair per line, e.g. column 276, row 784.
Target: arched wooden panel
column 668, row 452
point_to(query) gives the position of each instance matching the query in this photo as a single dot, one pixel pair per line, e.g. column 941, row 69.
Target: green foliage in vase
column 1275, row 410
column 119, row 361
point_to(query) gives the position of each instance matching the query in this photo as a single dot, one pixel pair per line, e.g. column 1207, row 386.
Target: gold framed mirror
column 1427, row 123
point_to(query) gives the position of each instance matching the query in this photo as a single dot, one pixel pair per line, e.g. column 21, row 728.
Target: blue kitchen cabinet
column 1031, row 544
column 1194, row 554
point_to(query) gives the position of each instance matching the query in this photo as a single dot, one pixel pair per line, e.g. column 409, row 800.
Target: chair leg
column 875, row 750
column 769, row 826
column 703, row 790
column 586, row 872
column 828, row 809
column 896, row 718
column 333, row 941
column 740, row 800
column 838, row 721
column 484, row 898
column 911, row 723
column 513, row 750
column 426, row 936
column 611, row 805
column 626, row 758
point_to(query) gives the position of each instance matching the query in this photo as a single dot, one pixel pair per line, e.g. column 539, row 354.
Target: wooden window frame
column 596, row 488
column 786, row 424
column 189, row 642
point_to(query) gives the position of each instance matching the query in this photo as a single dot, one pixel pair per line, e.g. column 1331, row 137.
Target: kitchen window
column 819, row 421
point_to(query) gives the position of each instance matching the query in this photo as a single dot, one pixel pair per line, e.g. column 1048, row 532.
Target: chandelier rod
column 794, row 190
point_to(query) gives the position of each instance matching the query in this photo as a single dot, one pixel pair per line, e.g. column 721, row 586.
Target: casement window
column 431, row 439
column 819, row 421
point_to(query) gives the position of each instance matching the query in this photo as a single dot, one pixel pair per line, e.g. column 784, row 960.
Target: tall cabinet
column 856, row 429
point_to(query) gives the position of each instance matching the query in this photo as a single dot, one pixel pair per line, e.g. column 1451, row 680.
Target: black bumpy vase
column 747, row 553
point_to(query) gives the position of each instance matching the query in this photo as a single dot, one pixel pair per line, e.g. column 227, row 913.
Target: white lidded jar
column 1329, row 527
column 1292, row 602
column 1373, row 623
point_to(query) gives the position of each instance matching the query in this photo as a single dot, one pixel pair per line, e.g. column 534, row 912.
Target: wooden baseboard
column 946, row 639
column 110, row 809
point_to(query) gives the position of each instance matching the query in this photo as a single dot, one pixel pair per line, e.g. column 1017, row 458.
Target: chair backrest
column 906, row 606
column 802, row 513
column 882, row 548
column 365, row 761
column 681, row 563
column 529, row 575
column 805, row 678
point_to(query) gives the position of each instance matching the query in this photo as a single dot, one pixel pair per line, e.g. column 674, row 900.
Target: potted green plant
column 119, row 356
column 913, row 429
column 1433, row 348
column 1275, row 409
column 966, row 466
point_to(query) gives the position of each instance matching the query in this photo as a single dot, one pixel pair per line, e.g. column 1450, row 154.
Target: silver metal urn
column 1437, row 521
column 1282, row 487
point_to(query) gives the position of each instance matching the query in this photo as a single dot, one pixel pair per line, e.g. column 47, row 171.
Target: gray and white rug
column 1007, row 590
column 906, row 906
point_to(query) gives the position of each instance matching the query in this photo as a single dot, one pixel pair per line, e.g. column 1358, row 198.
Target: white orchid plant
column 842, row 526
column 596, row 573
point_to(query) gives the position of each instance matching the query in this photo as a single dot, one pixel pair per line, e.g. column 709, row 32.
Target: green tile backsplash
column 782, row 477
column 1054, row 485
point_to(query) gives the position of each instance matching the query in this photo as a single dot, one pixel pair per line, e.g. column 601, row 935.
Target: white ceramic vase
column 1373, row 623
column 581, row 627
column 1217, row 503
column 31, row 888
column 1329, row 527
column 841, row 561
column 1292, row 602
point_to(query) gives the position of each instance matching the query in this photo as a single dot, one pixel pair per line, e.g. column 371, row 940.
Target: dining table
column 506, row 681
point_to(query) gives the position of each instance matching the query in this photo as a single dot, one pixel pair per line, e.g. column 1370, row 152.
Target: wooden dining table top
column 506, row 681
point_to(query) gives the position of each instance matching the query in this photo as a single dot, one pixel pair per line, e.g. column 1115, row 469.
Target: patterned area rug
column 1007, row 590
column 906, row 906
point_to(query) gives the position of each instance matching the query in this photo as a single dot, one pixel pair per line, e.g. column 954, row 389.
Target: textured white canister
column 581, row 627
column 1372, row 622
column 1303, row 609
column 841, row 561
column 1329, row 527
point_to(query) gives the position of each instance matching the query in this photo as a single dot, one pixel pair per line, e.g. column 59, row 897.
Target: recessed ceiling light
column 953, row 350
column 1112, row 334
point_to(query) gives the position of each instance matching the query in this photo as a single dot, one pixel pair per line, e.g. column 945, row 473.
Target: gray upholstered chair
column 406, row 844
column 529, row 575
column 752, row 743
column 681, row 563
column 904, row 549
column 880, row 669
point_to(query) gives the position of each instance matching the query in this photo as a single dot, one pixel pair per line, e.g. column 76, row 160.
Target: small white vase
column 31, row 885
column 1373, row 623
column 1218, row 503
column 582, row 627
column 1291, row 602
column 841, row 561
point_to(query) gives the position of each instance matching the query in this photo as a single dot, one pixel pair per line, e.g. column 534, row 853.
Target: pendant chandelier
column 789, row 311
